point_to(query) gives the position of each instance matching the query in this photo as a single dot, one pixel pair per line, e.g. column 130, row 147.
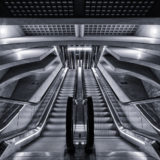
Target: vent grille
column 40, row 8
column 49, row 30
column 109, row 29
column 118, row 8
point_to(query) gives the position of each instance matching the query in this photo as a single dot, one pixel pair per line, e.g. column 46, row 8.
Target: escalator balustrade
column 103, row 122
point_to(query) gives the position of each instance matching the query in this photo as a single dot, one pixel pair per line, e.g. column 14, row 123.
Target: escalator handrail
column 90, row 125
column 137, row 105
column 15, row 112
column 31, row 134
column 11, row 114
column 140, row 138
column 69, row 125
column 149, row 118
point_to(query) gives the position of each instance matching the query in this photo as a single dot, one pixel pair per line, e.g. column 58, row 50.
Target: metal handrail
column 148, row 118
column 141, row 101
column 137, row 105
column 9, row 116
column 90, row 125
column 31, row 134
column 16, row 113
column 69, row 125
column 137, row 136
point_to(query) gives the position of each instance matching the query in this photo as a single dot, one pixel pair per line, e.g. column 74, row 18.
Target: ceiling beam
column 119, row 39
column 27, row 21
column 71, row 42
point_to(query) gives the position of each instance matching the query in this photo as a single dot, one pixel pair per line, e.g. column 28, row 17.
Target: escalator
column 56, row 122
column 108, row 143
column 104, row 125
column 51, row 143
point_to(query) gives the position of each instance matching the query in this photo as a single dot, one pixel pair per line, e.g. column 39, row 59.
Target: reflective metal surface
column 24, row 56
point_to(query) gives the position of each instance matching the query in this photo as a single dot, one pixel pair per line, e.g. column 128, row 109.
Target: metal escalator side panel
column 101, row 128
column 90, row 125
column 29, row 135
column 146, row 144
column 69, row 125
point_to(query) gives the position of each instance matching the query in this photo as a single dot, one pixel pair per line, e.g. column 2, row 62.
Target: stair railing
column 69, row 126
column 90, row 125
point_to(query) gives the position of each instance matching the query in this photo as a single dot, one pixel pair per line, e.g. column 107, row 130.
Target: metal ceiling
column 49, row 30
column 88, row 30
column 111, row 29
column 79, row 8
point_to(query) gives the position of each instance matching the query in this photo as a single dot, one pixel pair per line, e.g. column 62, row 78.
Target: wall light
column 152, row 31
column 3, row 31
column 89, row 49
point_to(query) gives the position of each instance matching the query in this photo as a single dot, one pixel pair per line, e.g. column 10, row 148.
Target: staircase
column 103, row 122
column 55, row 126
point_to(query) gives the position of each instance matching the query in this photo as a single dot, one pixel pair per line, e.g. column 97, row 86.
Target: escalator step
column 59, row 105
column 102, row 104
column 66, row 94
column 103, row 120
column 56, row 120
column 102, row 126
column 52, row 127
column 101, row 114
column 100, row 109
column 106, row 133
column 93, row 95
column 64, row 101
column 53, row 134
column 62, row 98
column 58, row 114
column 59, row 109
column 97, row 100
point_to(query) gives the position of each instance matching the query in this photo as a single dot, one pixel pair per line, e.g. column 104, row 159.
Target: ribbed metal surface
column 55, row 126
column 110, row 29
column 79, row 8
column 103, row 121
column 40, row 8
column 49, row 30
column 118, row 8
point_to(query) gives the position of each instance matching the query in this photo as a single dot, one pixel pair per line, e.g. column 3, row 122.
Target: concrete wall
column 153, row 91
column 22, row 119
column 8, row 90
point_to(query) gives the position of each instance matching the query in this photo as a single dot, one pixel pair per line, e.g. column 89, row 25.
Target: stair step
column 59, row 105
column 61, row 101
column 106, row 133
column 58, row 114
column 103, row 120
column 62, row 98
column 53, row 133
column 56, row 120
column 100, row 109
column 59, row 109
column 102, row 126
column 101, row 114
column 65, row 94
column 95, row 104
column 51, row 127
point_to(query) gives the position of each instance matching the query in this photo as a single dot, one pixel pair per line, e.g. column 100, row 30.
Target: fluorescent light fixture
column 89, row 49
column 153, row 30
